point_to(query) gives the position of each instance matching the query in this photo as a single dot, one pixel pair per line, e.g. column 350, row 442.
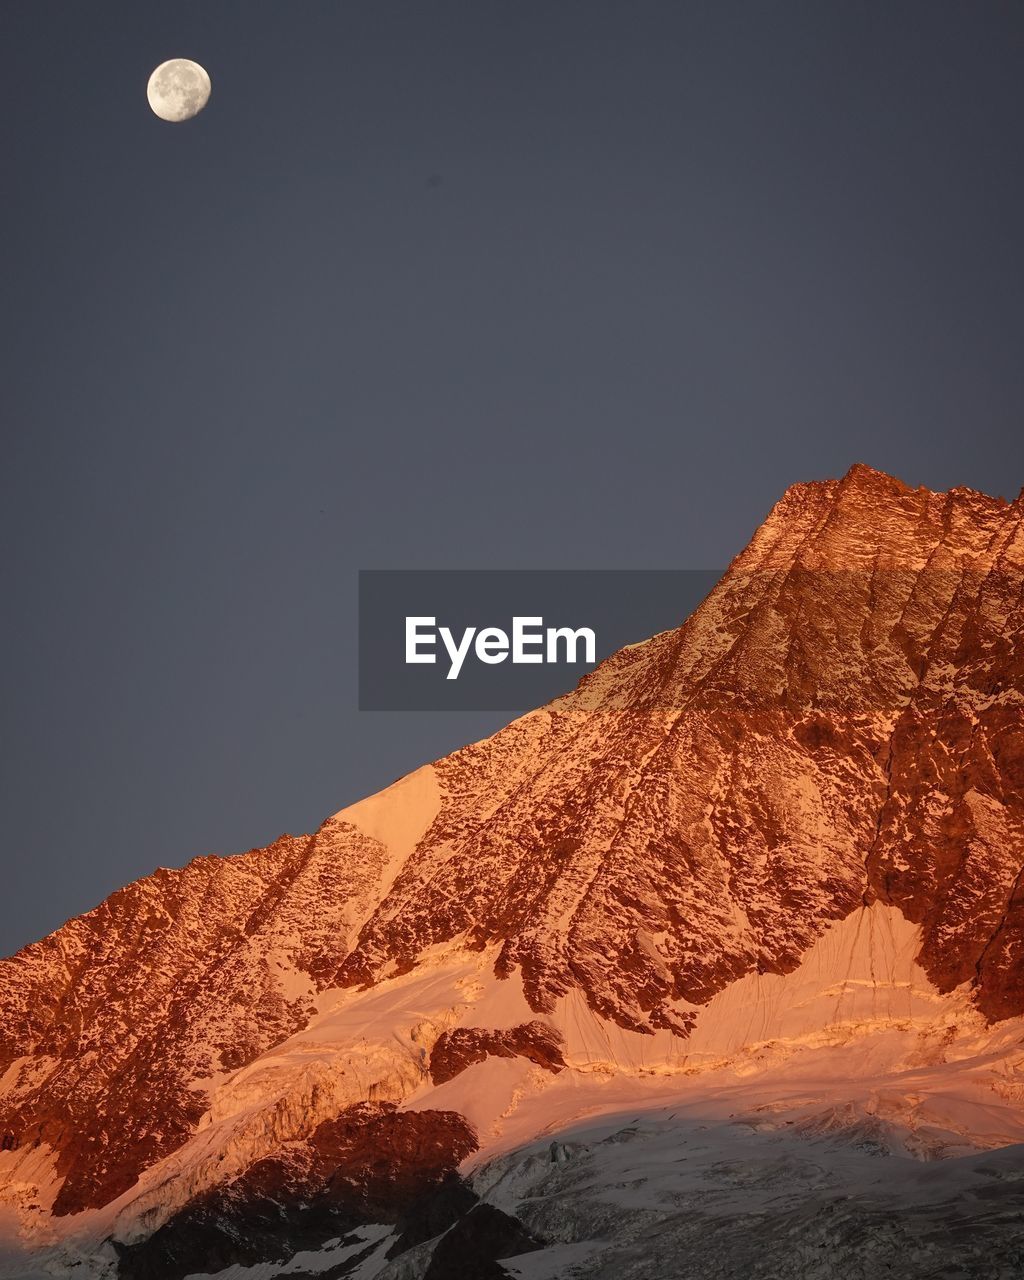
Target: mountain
column 770, row 859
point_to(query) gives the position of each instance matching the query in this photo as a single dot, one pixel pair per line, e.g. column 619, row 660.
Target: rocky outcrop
column 473, row 1246
column 459, row 1048
column 370, row 1164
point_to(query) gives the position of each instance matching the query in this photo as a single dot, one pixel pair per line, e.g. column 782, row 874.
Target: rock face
column 841, row 722
column 459, row 1048
column 371, row 1162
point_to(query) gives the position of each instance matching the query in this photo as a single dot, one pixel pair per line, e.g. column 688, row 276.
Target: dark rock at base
column 370, row 1164
column 470, row 1250
column 433, row 1214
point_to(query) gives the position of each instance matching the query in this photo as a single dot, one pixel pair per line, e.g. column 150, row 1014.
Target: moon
column 178, row 89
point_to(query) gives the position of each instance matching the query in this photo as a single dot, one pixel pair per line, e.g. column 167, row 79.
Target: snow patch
column 400, row 815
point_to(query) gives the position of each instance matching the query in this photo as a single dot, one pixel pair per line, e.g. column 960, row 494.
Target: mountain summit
column 791, row 830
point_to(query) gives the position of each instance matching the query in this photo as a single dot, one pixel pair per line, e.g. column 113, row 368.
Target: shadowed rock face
column 840, row 721
column 473, row 1245
column 370, row 1164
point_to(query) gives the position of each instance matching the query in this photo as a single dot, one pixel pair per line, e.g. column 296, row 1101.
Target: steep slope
column 842, row 715
column 841, row 723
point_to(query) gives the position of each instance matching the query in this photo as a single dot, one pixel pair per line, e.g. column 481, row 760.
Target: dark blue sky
column 444, row 285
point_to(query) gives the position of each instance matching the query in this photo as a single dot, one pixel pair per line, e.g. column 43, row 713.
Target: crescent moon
column 178, row 89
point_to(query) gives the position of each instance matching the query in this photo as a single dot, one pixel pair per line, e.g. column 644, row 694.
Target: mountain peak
column 840, row 722
column 860, row 475
column 864, row 479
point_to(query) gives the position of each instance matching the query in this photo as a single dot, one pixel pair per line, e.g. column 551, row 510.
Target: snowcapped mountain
column 763, row 870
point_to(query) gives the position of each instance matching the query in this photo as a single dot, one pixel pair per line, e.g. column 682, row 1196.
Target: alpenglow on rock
column 837, row 732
